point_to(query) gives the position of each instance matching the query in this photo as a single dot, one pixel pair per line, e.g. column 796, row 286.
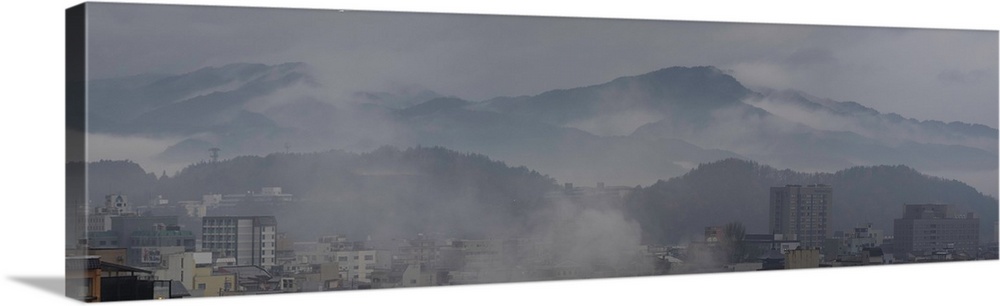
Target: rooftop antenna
column 215, row 154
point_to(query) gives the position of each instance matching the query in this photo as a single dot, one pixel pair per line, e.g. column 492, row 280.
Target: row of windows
column 958, row 226
column 949, row 238
column 810, row 233
column 951, row 232
column 808, row 221
column 210, row 245
column 112, row 242
column 160, row 242
column 213, row 230
column 809, row 207
column 210, row 222
column 344, row 258
column 821, row 214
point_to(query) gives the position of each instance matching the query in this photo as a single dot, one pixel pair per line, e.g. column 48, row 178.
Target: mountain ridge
column 737, row 190
column 701, row 108
column 425, row 179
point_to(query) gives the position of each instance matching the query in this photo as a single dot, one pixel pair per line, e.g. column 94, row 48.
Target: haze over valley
column 312, row 150
column 656, row 134
column 629, row 131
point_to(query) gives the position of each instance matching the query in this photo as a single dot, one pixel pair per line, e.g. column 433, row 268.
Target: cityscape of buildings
column 140, row 252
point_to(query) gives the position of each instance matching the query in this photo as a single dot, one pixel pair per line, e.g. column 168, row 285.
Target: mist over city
column 316, row 154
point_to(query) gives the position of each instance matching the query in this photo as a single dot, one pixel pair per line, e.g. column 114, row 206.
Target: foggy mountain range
column 629, row 131
column 391, row 193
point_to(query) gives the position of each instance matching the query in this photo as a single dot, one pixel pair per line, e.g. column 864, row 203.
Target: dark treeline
column 386, row 191
column 678, row 209
column 432, row 189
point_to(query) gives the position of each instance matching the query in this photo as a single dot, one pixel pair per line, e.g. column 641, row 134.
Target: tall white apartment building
column 242, row 241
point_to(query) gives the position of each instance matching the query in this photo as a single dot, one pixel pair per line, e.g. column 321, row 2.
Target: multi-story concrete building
column 762, row 243
column 929, row 228
column 801, row 213
column 419, row 251
column 266, row 196
column 996, row 231
column 150, row 247
column 212, row 283
column 854, row 242
column 145, row 238
column 114, row 205
column 714, row 234
column 124, row 226
column 246, row 240
column 862, row 238
column 357, row 262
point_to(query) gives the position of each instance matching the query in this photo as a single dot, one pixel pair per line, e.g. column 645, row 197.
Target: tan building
column 802, row 259
column 324, row 277
column 356, row 265
column 182, row 267
column 112, row 255
column 210, row 283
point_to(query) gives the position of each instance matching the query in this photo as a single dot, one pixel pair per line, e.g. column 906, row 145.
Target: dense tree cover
column 418, row 189
column 433, row 189
column 733, row 243
column 714, row 193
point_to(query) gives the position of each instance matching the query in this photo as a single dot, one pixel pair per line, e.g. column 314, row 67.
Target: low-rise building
column 802, row 258
column 210, row 282
column 182, row 267
column 419, row 275
column 269, row 196
column 761, row 243
column 112, row 255
column 92, row 280
column 99, row 220
column 320, row 277
column 83, row 278
column 252, row 280
column 851, row 244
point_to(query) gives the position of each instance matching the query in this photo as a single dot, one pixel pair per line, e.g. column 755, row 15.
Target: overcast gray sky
column 944, row 75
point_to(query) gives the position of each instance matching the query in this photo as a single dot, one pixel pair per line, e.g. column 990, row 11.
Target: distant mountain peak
column 686, row 69
column 435, row 105
column 678, row 73
column 673, row 92
column 697, row 86
column 228, row 73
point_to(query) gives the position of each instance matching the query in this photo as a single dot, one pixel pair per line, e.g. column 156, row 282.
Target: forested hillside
column 736, row 190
